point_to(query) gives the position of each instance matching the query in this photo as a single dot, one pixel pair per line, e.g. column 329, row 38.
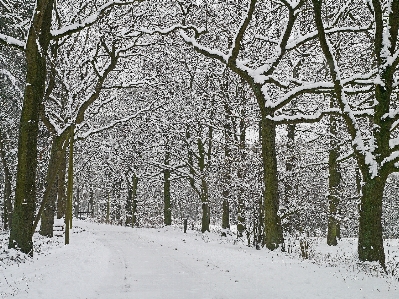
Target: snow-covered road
column 116, row 262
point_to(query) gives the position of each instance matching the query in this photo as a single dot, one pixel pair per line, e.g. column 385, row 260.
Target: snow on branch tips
column 211, row 53
column 197, row 30
column 13, row 42
column 301, row 118
column 150, row 107
column 90, row 20
column 294, row 42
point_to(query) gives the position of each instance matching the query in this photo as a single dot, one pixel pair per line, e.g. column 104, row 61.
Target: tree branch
column 90, row 20
column 12, row 42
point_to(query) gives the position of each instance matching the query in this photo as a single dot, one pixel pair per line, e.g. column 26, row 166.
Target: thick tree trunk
column 370, row 245
column 7, row 204
column 272, row 229
column 167, row 211
column 334, row 178
column 25, row 193
column 47, row 217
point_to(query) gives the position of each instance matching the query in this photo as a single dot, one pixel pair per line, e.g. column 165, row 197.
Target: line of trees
column 278, row 116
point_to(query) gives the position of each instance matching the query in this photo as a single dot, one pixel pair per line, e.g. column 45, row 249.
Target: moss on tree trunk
column 273, row 233
column 370, row 245
column 25, row 193
column 7, row 204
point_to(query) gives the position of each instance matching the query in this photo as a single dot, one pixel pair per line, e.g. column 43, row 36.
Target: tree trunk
column 50, row 194
column 289, row 179
column 289, row 165
column 334, row 178
column 25, row 193
column 240, row 217
column 228, row 140
column 90, row 206
column 226, row 211
column 167, row 211
column 134, row 201
column 68, row 212
column 7, row 204
column 77, row 202
column 108, row 208
column 370, row 244
column 206, row 211
column 272, row 229
column 226, row 193
column 134, row 212
column 129, row 204
column 61, row 196
column 47, row 218
column 241, row 226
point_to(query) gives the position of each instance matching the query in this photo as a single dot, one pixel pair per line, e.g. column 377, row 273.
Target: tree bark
column 272, row 229
column 206, row 211
column 241, row 226
column 7, row 204
column 289, row 179
column 50, row 194
column 370, row 246
column 334, row 178
column 167, row 211
column 61, row 190
column 68, row 212
column 226, row 193
column 131, row 203
column 204, row 188
column 108, row 209
column 25, row 194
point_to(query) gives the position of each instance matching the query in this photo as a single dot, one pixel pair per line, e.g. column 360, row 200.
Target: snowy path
column 116, row 262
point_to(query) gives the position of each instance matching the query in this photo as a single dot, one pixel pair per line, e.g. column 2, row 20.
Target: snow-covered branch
column 12, row 42
column 13, row 81
column 317, row 87
column 197, row 30
column 294, row 42
column 208, row 52
column 150, row 107
column 241, row 31
column 139, row 83
column 302, row 118
column 90, row 20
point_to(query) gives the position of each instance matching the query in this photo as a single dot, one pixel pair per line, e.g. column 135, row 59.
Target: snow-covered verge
column 105, row 261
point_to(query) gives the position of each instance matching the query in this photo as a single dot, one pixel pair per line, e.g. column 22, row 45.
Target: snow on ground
column 105, row 261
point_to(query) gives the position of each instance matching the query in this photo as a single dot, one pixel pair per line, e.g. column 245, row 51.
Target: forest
column 266, row 120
